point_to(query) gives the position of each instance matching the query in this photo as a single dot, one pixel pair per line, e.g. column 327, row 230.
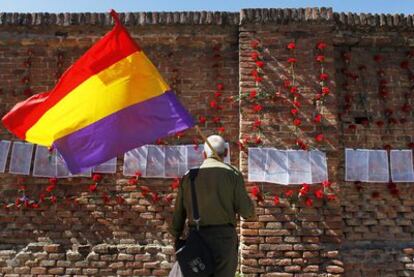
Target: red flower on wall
column 323, row 77
column 175, row 184
column 319, row 137
column 257, row 123
column 291, row 45
column 286, row 83
column 96, row 177
column 297, row 122
column 319, row 193
column 294, row 111
column 317, row 118
column 93, row 188
column 221, row 130
column 213, row 104
column 292, row 60
column 309, row 202
column 216, row 119
column 217, row 94
column 320, row 58
column 325, row 90
column 321, row 45
column 254, row 56
column 326, row 184
column 259, row 64
column 304, row 189
column 293, row 89
column 296, row 104
column 220, row 86
column 254, row 44
column 202, row 119
column 276, row 200
column 252, row 94
column 257, row 108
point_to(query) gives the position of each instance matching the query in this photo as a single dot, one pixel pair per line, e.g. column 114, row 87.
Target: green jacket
column 221, row 195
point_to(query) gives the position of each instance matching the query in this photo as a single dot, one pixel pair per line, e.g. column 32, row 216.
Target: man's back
column 220, row 195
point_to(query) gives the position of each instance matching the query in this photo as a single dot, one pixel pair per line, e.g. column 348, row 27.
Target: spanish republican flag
column 108, row 102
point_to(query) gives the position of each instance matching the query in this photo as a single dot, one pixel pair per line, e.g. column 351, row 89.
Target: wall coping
column 246, row 16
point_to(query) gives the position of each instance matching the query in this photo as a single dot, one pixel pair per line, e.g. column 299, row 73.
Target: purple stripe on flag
column 132, row 127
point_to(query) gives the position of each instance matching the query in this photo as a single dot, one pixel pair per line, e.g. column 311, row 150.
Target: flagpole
column 208, row 143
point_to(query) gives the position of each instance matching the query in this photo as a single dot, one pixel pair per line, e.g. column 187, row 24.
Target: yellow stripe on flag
column 99, row 96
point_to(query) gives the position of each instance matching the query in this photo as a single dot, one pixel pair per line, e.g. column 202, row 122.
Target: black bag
column 195, row 257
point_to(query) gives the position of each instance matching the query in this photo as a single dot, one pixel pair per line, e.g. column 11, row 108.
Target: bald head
column 219, row 145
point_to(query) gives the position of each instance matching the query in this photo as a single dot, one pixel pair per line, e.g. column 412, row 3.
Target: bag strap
column 196, row 215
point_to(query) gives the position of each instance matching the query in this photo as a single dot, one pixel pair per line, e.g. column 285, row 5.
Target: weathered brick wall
column 366, row 231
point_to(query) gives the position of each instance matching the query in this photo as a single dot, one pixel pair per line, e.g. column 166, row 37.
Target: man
column 220, row 195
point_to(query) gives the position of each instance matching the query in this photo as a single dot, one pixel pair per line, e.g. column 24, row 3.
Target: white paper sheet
column 175, row 161
column 106, row 167
column 299, row 167
column 277, row 170
column 356, row 165
column 21, row 158
column 402, row 166
column 4, row 152
column 378, row 166
column 256, row 164
column 319, row 166
column 135, row 161
column 44, row 162
column 155, row 161
column 194, row 156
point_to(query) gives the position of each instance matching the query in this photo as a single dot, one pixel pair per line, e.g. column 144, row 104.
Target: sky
column 359, row 6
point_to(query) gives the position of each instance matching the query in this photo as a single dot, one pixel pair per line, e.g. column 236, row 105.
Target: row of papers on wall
column 158, row 161
column 264, row 164
column 377, row 166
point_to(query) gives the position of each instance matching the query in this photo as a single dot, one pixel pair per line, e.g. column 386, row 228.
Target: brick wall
column 366, row 231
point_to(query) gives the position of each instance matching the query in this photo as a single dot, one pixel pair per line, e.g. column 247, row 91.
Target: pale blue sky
column 367, row 6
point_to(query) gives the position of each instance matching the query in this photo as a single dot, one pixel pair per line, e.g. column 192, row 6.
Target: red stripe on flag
column 113, row 47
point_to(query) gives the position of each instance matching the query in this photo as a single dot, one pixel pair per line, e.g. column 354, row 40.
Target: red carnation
column 326, row 184
column 258, row 79
column 53, row 181
column 297, row 122
column 257, row 123
column 319, row 193
column 93, row 188
column 106, row 198
column 320, row 58
column 50, row 188
column 254, row 73
column 325, row 90
column 286, row 83
column 217, row 94
column 291, row 46
column 323, row 77
column 293, row 89
column 257, row 108
column 304, row 189
column 220, row 86
column 296, row 104
column 216, row 119
column 221, row 130
column 292, row 60
column 294, row 111
column 202, row 119
column 319, row 137
column 321, row 45
column 258, row 140
column 253, row 94
column 255, row 191
column 133, row 181
column 96, row 177
column 254, row 56
column 276, row 200
column 213, row 104
column 317, row 118
column 301, row 144
column 175, row 184
column 259, row 64
column 289, row 193
column 309, row 202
